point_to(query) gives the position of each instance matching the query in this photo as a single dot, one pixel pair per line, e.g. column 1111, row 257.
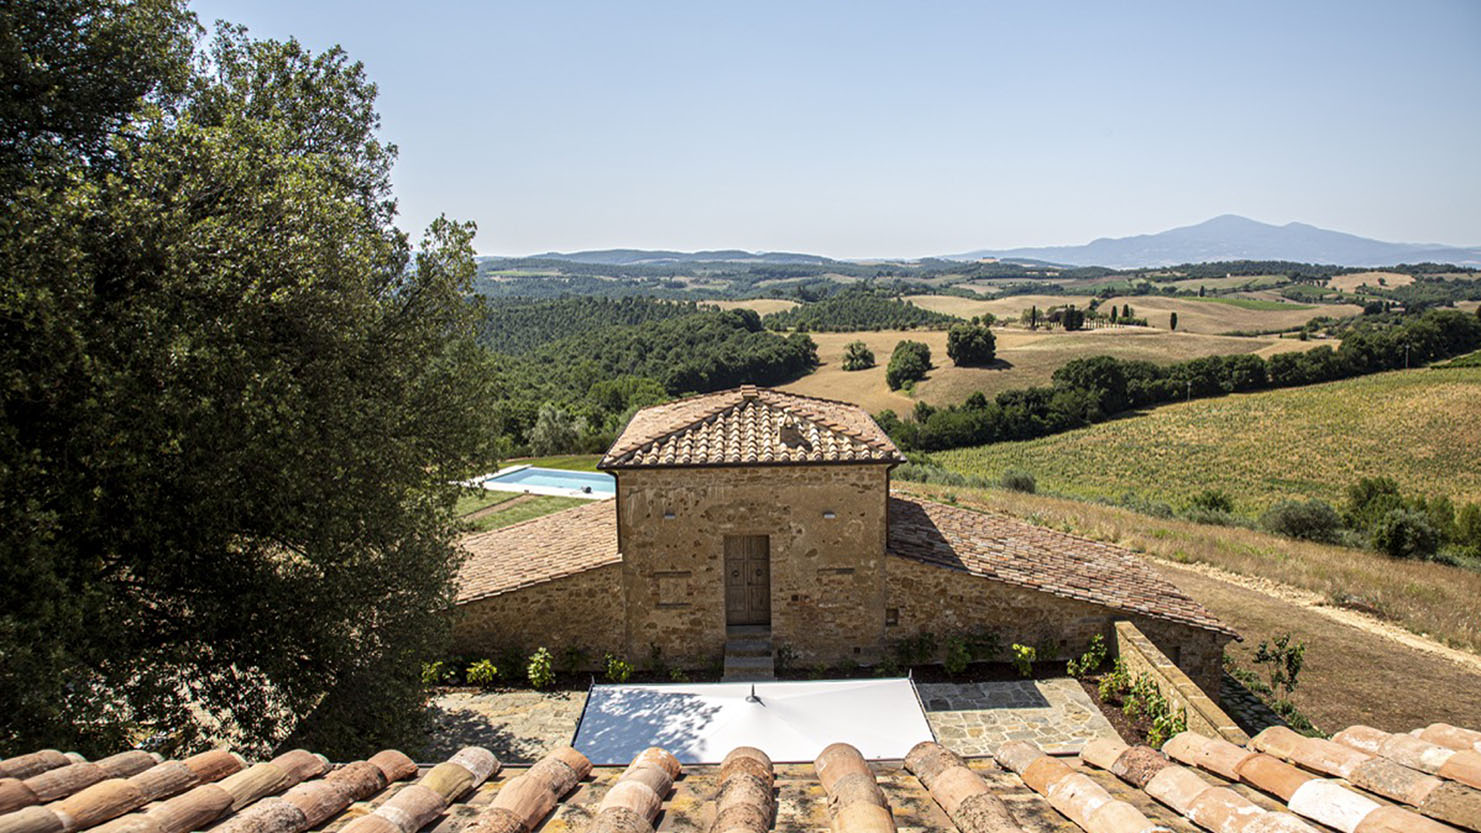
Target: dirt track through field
column 1359, row 669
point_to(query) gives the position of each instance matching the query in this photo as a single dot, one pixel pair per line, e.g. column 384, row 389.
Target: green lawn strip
column 525, row 510
column 476, row 499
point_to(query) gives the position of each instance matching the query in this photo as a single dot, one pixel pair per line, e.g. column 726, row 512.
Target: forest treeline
column 520, row 325
column 855, row 310
column 1090, row 390
column 591, row 382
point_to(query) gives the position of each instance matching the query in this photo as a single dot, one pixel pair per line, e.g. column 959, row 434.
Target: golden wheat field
column 1026, row 358
column 1010, row 306
column 1416, row 426
column 762, row 306
column 1350, row 283
column 1214, row 317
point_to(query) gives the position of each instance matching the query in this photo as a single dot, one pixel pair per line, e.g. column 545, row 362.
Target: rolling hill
column 1231, row 237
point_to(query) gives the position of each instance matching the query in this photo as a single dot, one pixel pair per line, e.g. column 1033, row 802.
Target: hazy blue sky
column 860, row 129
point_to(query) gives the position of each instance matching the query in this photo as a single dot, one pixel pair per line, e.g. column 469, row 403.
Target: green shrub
column 1023, row 659
column 618, row 670
column 574, row 657
column 1370, row 499
column 786, row 657
column 539, row 670
column 1283, row 662
column 1115, row 683
column 957, row 655
column 1405, row 533
column 1090, row 661
column 677, row 675
column 857, row 356
column 434, row 673
column 1017, row 480
column 1313, row 520
column 970, row 345
column 1212, row 500
column 484, row 673
column 909, row 362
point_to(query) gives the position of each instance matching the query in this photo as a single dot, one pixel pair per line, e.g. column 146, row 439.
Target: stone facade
column 925, row 598
column 583, row 610
column 827, row 573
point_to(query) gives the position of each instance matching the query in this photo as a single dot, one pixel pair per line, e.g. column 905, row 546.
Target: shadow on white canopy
column 790, row 721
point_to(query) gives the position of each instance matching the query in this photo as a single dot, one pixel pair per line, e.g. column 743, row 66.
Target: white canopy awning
column 790, row 721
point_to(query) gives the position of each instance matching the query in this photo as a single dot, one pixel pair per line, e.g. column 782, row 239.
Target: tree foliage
column 857, row 356
column 859, row 309
column 234, row 397
column 1092, row 389
column 970, row 345
column 519, row 325
column 910, row 362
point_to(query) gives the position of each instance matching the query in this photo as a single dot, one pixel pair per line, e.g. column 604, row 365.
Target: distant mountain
column 633, row 257
column 1230, row 237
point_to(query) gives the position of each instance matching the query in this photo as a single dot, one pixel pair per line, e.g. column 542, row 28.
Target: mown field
column 1232, row 282
column 1350, row 283
column 1229, row 314
column 1010, row 306
column 1026, row 358
column 1419, row 427
column 762, row 306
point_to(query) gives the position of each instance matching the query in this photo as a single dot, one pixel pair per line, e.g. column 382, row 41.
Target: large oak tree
column 234, row 395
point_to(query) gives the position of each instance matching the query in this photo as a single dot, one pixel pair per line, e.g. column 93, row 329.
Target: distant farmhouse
column 758, row 515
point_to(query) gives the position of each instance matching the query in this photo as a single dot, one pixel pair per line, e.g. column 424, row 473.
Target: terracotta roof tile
column 1009, row 550
column 750, row 425
column 539, row 550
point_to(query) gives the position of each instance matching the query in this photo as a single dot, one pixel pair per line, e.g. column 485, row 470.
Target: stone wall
column 925, row 598
column 1202, row 711
column 582, row 610
column 827, row 592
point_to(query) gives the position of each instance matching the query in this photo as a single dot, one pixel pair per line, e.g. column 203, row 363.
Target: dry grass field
column 1419, row 427
column 1026, row 358
column 1350, row 283
column 1286, row 586
column 762, row 306
column 1233, row 282
column 1214, row 317
column 1010, row 306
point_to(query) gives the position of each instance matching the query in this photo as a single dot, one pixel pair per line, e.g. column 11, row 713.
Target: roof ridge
column 705, row 416
column 616, row 452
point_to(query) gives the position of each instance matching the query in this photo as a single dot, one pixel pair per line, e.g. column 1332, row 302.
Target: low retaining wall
column 1204, row 715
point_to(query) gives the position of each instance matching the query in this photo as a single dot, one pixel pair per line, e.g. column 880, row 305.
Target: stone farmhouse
column 754, row 516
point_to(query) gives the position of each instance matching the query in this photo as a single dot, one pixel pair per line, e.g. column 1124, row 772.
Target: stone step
column 748, row 631
column 748, row 648
column 741, row 668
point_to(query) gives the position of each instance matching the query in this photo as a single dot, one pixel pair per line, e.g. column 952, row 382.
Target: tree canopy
column 971, row 345
column 235, row 398
column 909, row 362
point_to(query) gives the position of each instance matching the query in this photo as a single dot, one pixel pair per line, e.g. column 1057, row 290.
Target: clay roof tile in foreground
column 539, row 550
column 1005, row 549
column 750, row 426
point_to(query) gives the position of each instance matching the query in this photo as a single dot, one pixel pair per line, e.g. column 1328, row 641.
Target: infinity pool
column 539, row 481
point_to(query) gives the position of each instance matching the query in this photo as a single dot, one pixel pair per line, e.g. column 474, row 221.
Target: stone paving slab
column 519, row 727
column 973, row 719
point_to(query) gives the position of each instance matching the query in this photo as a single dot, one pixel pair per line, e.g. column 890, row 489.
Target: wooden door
column 747, row 580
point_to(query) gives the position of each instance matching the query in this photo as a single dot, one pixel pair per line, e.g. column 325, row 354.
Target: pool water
column 553, row 481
